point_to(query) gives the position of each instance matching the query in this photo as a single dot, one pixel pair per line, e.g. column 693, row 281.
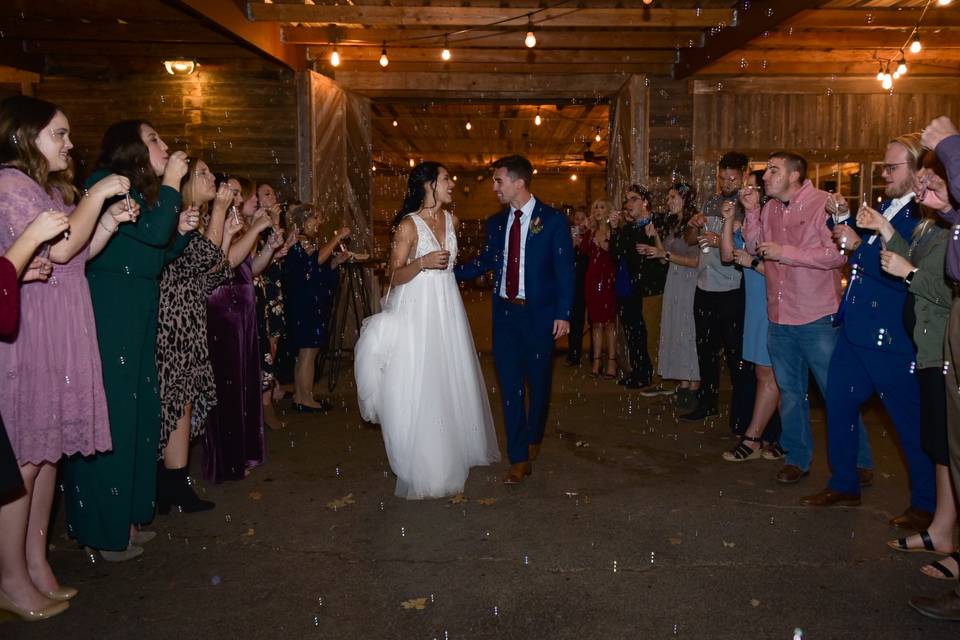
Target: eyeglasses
column 889, row 168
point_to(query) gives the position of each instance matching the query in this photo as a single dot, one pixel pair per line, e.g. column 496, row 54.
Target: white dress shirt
column 525, row 216
column 895, row 205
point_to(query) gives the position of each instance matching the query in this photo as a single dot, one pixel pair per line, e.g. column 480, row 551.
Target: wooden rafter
column 762, row 16
column 228, row 17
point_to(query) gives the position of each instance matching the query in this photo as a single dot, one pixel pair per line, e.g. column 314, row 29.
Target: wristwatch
column 909, row 277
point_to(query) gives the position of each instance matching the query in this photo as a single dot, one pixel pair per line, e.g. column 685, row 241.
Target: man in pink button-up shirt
column 802, row 268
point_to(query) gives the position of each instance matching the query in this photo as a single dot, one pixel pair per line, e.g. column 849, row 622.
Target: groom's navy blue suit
column 523, row 333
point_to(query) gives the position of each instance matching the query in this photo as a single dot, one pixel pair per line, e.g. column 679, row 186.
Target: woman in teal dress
column 107, row 494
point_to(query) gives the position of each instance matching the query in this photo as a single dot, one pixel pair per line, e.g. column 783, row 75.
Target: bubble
column 215, row 581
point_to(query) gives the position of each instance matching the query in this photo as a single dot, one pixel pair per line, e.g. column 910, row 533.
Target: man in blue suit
column 530, row 253
column 874, row 352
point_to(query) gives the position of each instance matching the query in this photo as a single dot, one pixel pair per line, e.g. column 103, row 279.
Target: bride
column 416, row 366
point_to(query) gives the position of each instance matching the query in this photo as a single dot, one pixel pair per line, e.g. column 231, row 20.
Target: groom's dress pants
column 523, row 356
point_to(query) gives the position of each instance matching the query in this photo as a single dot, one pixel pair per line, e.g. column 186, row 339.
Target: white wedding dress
column 419, row 377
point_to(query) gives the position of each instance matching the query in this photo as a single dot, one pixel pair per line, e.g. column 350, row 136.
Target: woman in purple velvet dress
column 233, row 440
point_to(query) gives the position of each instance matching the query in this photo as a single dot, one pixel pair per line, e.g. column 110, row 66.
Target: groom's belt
column 517, row 301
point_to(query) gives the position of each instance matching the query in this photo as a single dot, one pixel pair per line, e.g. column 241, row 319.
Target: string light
column 395, row 123
column 468, row 126
column 412, row 163
column 384, row 60
column 538, row 120
column 573, row 177
column 334, row 57
column 887, row 82
column 915, row 46
column 902, row 65
column 530, row 40
column 597, row 137
column 880, row 72
column 943, row 3
column 445, row 54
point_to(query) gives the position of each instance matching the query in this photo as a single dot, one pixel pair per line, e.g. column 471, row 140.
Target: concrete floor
column 630, row 527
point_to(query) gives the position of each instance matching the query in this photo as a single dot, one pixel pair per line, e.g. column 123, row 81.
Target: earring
column 13, row 139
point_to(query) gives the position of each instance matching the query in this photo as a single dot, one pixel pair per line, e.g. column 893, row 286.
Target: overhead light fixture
column 943, row 3
column 384, row 60
column 915, row 46
column 412, row 163
column 879, row 74
column 395, row 123
column 902, row 65
column 180, row 67
column 573, row 177
column 445, row 54
column 468, row 126
column 530, row 40
column 535, row 172
column 334, row 57
column 598, row 138
column 454, row 178
column 538, row 120
column 887, row 82
column 374, row 168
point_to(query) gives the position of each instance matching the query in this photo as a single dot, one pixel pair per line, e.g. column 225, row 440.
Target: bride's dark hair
column 416, row 191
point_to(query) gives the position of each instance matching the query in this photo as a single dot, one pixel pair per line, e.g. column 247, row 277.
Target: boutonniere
column 536, row 226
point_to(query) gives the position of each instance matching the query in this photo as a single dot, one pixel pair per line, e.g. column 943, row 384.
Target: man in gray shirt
column 718, row 305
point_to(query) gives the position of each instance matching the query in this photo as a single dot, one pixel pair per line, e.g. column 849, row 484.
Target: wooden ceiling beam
column 370, row 66
column 161, row 50
column 130, row 32
column 816, row 56
column 856, row 39
column 816, row 84
column 460, row 16
column 497, row 39
column 807, row 68
column 542, row 87
column 872, row 18
column 228, row 17
column 763, row 15
column 518, row 56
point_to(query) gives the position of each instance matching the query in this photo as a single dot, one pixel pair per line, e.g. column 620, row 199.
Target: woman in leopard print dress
column 187, row 389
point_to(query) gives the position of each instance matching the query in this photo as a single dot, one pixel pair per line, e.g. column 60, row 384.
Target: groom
column 531, row 254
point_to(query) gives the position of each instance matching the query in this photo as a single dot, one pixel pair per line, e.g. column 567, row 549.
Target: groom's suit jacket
column 548, row 270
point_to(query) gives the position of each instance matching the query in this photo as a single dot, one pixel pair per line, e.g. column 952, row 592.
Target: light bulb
column 538, row 120
column 384, row 60
column 530, row 40
column 468, row 126
column 887, row 81
column 445, row 54
column 412, row 163
column 915, row 46
column 374, row 167
column 902, row 67
column 334, row 58
column 880, row 75
column 597, row 137
column 395, row 123
column 573, row 177
column 943, row 3
column 534, row 172
column 454, row 178
column 896, row 75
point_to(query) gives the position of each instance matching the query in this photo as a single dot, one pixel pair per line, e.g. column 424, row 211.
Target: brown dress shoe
column 943, row 607
column 830, row 498
column 791, row 474
column 518, row 472
column 533, row 451
column 913, row 519
column 866, row 477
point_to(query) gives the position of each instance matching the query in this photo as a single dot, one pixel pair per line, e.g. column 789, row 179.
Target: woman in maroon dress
column 599, row 290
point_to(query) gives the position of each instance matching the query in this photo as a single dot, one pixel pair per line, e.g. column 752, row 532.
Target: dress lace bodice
column 427, row 242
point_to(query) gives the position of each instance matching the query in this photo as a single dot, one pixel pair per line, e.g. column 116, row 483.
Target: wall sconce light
column 180, row 67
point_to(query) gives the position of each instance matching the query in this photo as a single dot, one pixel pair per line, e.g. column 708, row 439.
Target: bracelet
column 106, row 228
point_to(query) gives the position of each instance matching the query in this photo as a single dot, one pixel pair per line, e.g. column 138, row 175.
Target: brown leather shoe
column 866, row 477
column 533, row 451
column 830, row 498
column 913, row 519
column 517, row 473
column 942, row 607
column 791, row 474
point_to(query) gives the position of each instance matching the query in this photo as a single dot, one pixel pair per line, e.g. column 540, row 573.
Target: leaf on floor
column 340, row 503
column 729, row 545
column 754, row 602
column 458, row 499
column 250, row 533
column 675, row 540
column 487, row 501
column 415, row 603
column 255, row 495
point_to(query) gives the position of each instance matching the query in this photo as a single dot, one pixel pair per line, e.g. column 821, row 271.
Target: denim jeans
column 797, row 351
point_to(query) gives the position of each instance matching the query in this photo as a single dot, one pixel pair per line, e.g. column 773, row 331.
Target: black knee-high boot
column 175, row 490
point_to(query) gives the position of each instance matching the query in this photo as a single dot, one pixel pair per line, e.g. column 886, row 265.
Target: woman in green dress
column 108, row 494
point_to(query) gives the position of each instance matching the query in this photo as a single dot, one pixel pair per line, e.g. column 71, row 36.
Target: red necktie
column 513, row 257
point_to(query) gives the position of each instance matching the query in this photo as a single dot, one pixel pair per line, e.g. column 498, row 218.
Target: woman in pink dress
column 599, row 291
column 52, row 399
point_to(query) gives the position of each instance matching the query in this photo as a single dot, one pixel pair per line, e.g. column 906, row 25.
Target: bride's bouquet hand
column 435, row 260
